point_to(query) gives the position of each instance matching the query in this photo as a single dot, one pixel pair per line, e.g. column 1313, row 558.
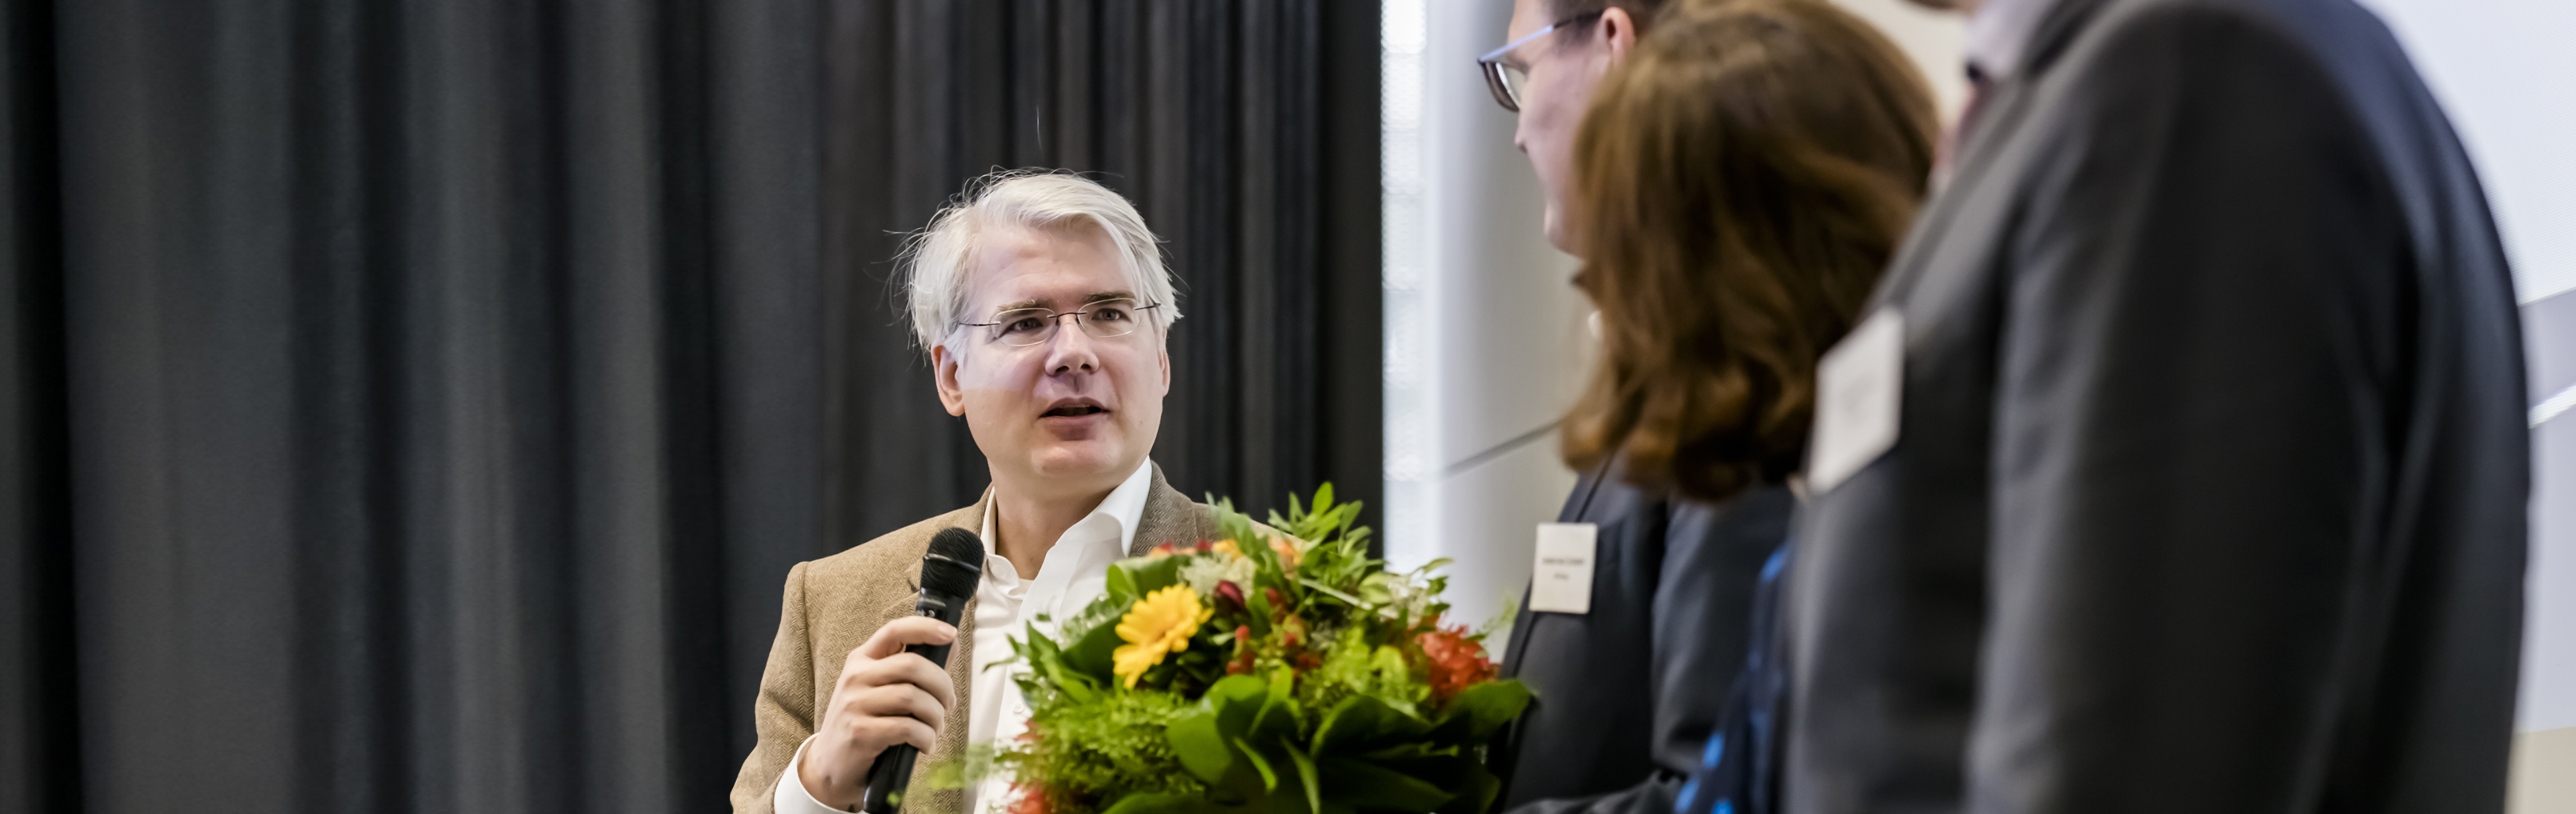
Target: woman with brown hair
column 1739, row 181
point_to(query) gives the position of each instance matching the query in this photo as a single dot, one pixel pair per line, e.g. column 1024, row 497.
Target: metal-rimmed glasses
column 1022, row 327
column 1506, row 78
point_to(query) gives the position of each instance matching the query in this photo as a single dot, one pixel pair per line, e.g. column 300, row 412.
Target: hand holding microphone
column 894, row 696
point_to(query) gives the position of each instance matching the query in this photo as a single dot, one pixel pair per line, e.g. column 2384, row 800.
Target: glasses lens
column 1109, row 318
column 1027, row 326
column 1501, row 81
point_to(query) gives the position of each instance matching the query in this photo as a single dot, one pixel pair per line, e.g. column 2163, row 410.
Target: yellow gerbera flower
column 1226, row 547
column 1159, row 625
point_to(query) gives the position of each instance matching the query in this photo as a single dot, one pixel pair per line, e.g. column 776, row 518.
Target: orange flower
column 1289, row 554
column 1455, row 661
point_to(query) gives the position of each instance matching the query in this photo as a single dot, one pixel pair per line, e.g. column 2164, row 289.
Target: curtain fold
column 416, row 405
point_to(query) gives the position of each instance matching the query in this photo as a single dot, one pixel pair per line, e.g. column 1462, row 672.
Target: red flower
column 1455, row 661
column 1031, row 800
column 1229, row 597
column 1242, row 649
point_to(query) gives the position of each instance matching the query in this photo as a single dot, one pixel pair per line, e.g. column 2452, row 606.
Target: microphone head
column 964, row 553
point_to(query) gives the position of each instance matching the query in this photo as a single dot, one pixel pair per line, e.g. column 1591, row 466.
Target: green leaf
column 1257, row 602
column 1361, row 721
column 1153, row 574
column 1476, row 790
column 1093, row 655
column 1363, row 785
column 1201, row 747
column 1269, row 777
column 1122, row 586
column 1158, row 803
column 1481, row 710
column 1306, row 777
column 1237, row 702
column 1326, row 590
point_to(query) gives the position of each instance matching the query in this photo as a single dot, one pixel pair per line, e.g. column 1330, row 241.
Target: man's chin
column 1088, row 459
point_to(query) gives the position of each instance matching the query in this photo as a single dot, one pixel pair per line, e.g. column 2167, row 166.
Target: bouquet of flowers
column 1278, row 670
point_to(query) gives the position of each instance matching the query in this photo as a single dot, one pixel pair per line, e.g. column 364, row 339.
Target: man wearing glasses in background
column 1064, row 417
column 1629, row 687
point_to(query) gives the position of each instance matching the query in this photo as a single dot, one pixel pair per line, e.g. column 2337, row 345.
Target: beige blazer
column 834, row 604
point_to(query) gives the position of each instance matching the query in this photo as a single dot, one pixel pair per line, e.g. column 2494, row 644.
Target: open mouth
column 1075, row 409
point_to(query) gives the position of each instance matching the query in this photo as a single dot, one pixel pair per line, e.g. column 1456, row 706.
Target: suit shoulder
column 869, row 567
column 2317, row 32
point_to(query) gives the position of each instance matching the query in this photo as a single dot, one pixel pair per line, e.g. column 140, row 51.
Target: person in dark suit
column 2180, row 461
column 1738, row 183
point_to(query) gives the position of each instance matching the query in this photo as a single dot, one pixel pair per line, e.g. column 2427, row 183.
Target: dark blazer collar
column 2056, row 30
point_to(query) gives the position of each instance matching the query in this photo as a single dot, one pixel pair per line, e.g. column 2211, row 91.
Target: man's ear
column 943, row 372
column 1616, row 30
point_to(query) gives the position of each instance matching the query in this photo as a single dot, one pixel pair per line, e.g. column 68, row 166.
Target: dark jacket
column 1627, row 694
column 2209, row 485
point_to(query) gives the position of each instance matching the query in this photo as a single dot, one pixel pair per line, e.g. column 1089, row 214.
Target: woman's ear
column 943, row 373
column 1616, row 30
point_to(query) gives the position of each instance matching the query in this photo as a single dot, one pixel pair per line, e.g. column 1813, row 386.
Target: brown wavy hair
column 1740, row 181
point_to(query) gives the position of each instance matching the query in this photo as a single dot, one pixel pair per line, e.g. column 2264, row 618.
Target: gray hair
column 937, row 258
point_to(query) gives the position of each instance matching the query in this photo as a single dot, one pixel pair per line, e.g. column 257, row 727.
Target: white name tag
column 1859, row 385
column 1561, row 580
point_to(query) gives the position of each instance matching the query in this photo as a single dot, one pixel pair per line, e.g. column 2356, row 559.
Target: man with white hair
column 1064, row 415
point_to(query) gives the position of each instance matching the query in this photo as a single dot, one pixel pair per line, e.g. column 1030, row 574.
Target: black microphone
column 949, row 574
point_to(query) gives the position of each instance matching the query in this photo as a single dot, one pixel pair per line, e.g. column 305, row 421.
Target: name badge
column 1859, row 385
column 1561, row 580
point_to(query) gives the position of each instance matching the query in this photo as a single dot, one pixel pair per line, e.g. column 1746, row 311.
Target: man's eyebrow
column 1103, row 296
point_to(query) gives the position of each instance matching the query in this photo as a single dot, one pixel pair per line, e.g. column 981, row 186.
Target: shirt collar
column 1999, row 33
column 1124, row 507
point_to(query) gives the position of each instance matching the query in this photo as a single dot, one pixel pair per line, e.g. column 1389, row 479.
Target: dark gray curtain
column 414, row 406
column 1246, row 131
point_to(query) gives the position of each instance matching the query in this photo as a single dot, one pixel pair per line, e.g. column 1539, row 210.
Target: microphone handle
column 893, row 770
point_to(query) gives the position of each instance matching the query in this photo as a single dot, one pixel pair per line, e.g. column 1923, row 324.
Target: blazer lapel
column 961, row 672
column 1169, row 517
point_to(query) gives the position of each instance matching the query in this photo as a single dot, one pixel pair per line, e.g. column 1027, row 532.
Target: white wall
column 2504, row 71
column 1485, row 332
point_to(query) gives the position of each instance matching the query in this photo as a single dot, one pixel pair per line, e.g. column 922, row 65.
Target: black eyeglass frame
column 1055, row 321
column 1492, row 62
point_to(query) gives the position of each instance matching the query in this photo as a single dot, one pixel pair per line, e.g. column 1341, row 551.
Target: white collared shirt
column 1075, row 572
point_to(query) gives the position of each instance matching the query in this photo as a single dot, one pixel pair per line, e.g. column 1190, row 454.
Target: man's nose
column 1071, row 349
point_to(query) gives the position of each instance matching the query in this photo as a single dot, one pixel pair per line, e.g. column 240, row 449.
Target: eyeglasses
column 1506, row 79
column 1034, row 326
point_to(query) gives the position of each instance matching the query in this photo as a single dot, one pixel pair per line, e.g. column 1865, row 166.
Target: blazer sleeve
column 2190, row 430
column 783, row 715
column 1703, row 601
